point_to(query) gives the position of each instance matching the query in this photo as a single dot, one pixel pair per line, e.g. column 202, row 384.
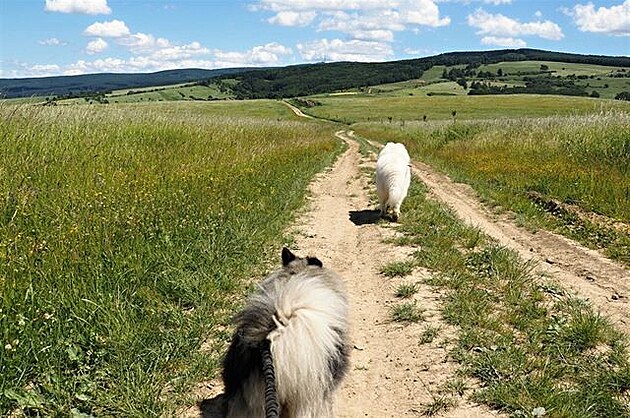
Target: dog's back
column 302, row 310
column 393, row 177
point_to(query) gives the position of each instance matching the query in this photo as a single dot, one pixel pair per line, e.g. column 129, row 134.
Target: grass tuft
column 429, row 334
column 406, row 312
column 406, row 290
column 398, row 269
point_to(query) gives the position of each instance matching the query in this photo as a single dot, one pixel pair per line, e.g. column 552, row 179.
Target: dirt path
column 392, row 374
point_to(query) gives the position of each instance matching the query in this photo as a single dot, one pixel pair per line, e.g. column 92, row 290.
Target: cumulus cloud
column 166, row 55
column 264, row 55
column 112, row 29
column 90, row 7
column 420, row 51
column 339, row 50
column 51, row 42
column 503, row 42
column 614, row 20
column 503, row 26
column 292, row 18
column 96, row 46
column 359, row 19
column 497, row 2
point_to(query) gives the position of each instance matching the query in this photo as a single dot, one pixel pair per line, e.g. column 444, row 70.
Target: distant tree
column 544, row 67
column 424, row 118
column 594, row 93
column 462, row 82
column 500, row 72
column 624, row 95
column 454, row 114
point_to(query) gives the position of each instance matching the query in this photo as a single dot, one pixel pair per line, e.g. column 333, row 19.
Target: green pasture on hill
column 362, row 108
column 592, row 78
column 125, row 234
column 559, row 68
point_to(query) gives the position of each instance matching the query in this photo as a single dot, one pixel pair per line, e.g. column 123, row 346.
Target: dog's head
column 294, row 264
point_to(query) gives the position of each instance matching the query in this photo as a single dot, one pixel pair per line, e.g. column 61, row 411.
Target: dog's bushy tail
column 305, row 320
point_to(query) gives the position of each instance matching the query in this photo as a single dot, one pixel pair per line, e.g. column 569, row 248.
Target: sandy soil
column 391, row 373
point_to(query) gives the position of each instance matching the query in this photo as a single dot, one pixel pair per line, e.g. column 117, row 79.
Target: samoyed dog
column 393, row 176
column 290, row 349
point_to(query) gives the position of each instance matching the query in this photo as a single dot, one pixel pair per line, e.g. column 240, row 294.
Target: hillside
column 78, row 85
column 303, row 80
column 297, row 80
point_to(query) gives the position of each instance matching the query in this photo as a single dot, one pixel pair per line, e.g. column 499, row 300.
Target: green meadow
column 351, row 109
column 130, row 233
column 126, row 233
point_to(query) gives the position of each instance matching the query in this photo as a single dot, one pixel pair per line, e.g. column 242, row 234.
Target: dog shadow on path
column 212, row 407
column 365, row 216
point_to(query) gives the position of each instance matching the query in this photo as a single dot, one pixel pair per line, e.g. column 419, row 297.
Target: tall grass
column 580, row 160
column 529, row 349
column 404, row 109
column 124, row 234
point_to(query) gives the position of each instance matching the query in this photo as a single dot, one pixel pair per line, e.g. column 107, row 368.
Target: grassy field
column 129, row 231
column 352, row 109
column 529, row 345
column 125, row 232
column 521, row 164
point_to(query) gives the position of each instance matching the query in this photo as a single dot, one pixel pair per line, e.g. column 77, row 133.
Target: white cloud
column 90, row 7
column 52, row 42
column 171, row 56
column 291, row 18
column 96, row 46
column 112, row 29
column 139, row 42
column 497, row 2
column 502, row 26
column 420, row 51
column 37, row 70
column 614, row 20
column 263, row 55
column 359, row 19
column 339, row 50
column 282, row 5
column 538, row 14
column 503, row 42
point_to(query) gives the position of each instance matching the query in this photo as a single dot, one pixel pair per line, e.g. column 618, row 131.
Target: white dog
column 300, row 316
column 393, row 176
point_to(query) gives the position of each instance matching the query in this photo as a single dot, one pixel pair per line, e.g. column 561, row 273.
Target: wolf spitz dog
column 299, row 314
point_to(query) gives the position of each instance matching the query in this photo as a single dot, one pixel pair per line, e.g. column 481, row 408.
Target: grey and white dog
column 300, row 311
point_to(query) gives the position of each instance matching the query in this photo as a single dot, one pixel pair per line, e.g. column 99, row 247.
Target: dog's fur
column 302, row 309
column 393, row 177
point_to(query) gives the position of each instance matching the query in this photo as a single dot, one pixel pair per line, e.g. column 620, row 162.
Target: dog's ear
column 313, row 261
column 287, row 256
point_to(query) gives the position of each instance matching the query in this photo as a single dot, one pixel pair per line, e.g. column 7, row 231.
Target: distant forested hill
column 303, row 80
column 103, row 82
column 297, row 80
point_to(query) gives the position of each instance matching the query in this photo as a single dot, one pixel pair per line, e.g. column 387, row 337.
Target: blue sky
column 67, row 37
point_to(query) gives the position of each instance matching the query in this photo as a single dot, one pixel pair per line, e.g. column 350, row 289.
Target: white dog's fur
column 302, row 310
column 393, row 177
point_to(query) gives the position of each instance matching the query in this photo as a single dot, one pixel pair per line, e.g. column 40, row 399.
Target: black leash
column 272, row 409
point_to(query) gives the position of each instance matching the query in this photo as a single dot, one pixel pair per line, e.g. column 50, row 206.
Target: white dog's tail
column 311, row 321
column 299, row 314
